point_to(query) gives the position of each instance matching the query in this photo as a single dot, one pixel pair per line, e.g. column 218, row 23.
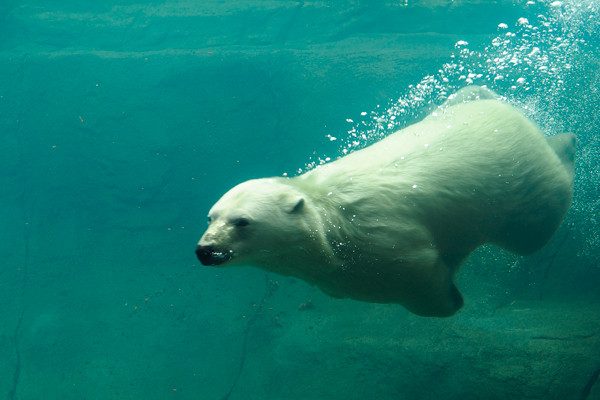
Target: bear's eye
column 241, row 222
column 208, row 220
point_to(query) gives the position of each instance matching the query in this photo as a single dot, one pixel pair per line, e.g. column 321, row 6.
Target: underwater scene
column 122, row 122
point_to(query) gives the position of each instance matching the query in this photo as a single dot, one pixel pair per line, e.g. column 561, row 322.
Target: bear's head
column 253, row 224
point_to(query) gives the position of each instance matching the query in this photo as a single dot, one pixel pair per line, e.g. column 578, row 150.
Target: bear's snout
column 204, row 254
column 208, row 255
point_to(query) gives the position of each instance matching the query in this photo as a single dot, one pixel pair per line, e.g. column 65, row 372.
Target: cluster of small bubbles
column 314, row 161
column 530, row 58
column 379, row 123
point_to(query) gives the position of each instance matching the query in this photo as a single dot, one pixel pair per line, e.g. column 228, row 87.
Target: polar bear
column 391, row 223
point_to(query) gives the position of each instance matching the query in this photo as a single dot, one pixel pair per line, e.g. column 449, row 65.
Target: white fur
column 391, row 223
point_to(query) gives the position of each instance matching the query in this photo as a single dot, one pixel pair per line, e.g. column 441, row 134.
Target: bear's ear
column 297, row 205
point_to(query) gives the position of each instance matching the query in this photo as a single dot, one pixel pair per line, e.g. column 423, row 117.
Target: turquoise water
column 122, row 123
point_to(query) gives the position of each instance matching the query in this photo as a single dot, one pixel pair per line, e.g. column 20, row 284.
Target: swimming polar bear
column 392, row 223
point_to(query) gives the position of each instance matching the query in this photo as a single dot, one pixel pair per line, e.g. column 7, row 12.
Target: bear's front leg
column 431, row 292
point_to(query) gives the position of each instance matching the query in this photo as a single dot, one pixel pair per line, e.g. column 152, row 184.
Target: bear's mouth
column 208, row 255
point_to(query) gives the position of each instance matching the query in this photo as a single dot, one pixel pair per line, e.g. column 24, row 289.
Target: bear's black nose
column 205, row 254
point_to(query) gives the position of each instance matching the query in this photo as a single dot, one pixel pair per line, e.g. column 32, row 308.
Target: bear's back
column 477, row 172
